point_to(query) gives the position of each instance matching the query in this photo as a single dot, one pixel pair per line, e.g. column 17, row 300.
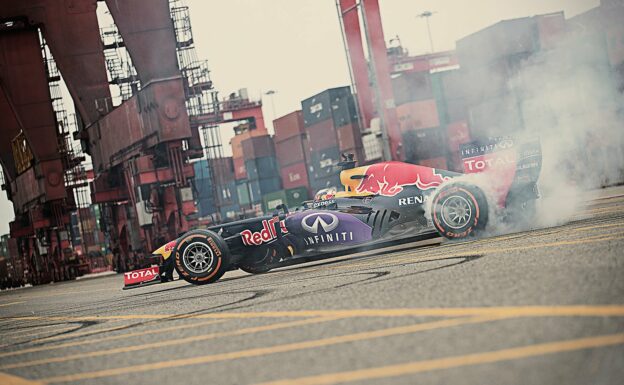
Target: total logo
column 486, row 163
column 267, row 234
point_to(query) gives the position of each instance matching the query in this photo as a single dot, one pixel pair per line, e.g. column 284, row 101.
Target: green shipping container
column 440, row 98
column 271, row 200
column 243, row 193
column 296, row 196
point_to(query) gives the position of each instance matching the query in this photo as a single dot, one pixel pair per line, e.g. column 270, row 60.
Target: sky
column 294, row 47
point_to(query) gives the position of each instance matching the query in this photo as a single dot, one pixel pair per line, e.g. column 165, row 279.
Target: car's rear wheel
column 201, row 257
column 459, row 210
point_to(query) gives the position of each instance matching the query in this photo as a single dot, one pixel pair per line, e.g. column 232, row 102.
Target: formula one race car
column 379, row 202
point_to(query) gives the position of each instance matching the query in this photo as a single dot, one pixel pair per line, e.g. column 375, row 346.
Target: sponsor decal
column 495, row 144
column 482, row 163
column 388, row 178
column 416, row 199
column 323, row 203
column 143, row 275
column 213, row 246
column 266, row 235
column 327, row 221
column 322, row 228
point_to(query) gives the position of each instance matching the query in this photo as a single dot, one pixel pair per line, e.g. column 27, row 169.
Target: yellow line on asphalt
column 160, row 344
column 109, row 338
column 7, row 379
column 257, row 352
column 515, row 311
column 11, row 303
column 456, row 361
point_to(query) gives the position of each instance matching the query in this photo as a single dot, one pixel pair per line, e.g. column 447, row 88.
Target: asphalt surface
column 543, row 306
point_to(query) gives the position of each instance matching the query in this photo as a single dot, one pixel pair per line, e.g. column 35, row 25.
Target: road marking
column 456, row 361
column 11, row 303
column 159, row 344
column 7, row 379
column 515, row 311
column 256, row 352
column 110, row 338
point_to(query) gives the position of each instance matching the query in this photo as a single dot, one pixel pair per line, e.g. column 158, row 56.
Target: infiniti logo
column 312, row 225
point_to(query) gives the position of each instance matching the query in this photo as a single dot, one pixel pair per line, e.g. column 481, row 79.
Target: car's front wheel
column 459, row 210
column 201, row 257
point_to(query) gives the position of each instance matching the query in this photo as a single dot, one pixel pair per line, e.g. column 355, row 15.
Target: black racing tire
column 201, row 257
column 459, row 211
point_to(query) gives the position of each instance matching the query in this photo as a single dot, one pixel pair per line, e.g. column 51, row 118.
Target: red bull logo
column 388, row 178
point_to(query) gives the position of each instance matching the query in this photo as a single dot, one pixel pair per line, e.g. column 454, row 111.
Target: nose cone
column 166, row 249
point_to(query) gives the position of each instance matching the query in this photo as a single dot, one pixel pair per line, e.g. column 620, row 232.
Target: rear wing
column 520, row 159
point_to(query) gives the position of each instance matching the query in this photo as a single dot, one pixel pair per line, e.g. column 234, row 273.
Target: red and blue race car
column 379, row 202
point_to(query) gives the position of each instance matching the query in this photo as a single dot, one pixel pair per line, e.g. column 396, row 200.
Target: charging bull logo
column 388, row 178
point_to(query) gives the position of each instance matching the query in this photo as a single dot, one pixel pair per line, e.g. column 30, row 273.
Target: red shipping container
column 290, row 151
column 239, row 168
column 415, row 115
column 439, row 162
column 322, row 135
column 258, row 147
column 295, row 175
column 457, row 134
column 288, row 126
column 349, row 136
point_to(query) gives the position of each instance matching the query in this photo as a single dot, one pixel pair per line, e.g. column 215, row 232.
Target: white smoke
column 570, row 99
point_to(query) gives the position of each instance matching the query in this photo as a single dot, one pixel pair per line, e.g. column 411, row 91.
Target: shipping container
column 236, row 141
column 318, row 108
column 294, row 175
column 206, row 207
column 505, row 38
column 240, row 172
column 322, row 135
column 226, row 193
column 288, row 126
column 418, row 115
column 260, row 187
column 271, row 200
column 423, row 144
column 292, row 150
column 439, row 163
column 257, row 147
column 296, row 196
column 349, row 136
column 411, row 87
column 230, row 212
column 264, row 167
column 343, row 110
column 332, row 181
column 323, row 163
column 242, row 190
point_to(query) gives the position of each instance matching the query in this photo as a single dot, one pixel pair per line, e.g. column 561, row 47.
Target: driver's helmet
column 324, row 194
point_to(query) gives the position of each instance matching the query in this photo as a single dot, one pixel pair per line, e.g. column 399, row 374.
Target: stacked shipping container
column 330, row 121
column 263, row 175
column 292, row 150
